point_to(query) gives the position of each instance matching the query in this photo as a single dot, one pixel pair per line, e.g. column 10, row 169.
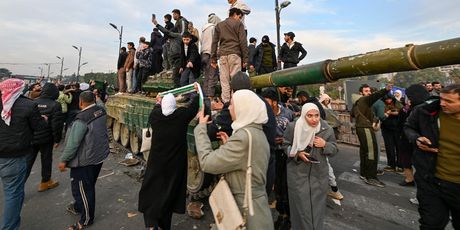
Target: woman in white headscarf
column 164, row 187
column 398, row 95
column 248, row 112
column 308, row 141
column 325, row 101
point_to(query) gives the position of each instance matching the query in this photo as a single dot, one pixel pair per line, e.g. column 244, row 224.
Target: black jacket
column 292, row 55
column 122, row 59
column 156, row 40
column 251, row 54
column 423, row 121
column 74, row 104
column 193, row 56
column 48, row 106
column 16, row 139
column 258, row 59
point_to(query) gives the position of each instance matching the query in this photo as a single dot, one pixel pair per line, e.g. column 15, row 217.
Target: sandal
column 76, row 226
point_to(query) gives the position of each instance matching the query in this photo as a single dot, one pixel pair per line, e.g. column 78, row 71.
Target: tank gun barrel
column 409, row 57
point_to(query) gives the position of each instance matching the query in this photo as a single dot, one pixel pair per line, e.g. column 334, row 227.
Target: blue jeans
column 13, row 174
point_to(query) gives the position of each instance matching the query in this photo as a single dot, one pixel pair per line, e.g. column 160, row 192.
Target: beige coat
column 231, row 159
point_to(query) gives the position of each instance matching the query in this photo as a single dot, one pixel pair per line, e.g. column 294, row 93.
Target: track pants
column 83, row 182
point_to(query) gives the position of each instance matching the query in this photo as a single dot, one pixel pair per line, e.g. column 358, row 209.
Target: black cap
column 240, row 81
column 290, row 34
column 265, row 39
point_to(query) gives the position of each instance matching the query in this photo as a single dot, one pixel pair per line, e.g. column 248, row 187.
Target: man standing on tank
column 290, row 51
column 230, row 46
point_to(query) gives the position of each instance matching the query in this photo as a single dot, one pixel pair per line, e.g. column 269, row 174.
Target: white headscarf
column 324, row 97
column 400, row 94
column 304, row 134
column 249, row 108
column 11, row 90
column 168, row 104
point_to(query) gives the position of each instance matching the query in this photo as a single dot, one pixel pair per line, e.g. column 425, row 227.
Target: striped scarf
column 11, row 90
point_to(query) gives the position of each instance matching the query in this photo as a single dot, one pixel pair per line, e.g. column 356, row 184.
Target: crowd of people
column 291, row 139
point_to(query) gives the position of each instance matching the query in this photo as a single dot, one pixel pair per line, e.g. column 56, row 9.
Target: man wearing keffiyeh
column 19, row 119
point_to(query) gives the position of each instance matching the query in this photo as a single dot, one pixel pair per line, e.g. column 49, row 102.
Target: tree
column 455, row 75
column 111, row 78
column 4, row 72
column 405, row 79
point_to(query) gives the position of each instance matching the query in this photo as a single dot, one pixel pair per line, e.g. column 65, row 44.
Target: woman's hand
column 202, row 118
column 319, row 142
column 222, row 136
column 195, row 86
column 302, row 155
column 158, row 99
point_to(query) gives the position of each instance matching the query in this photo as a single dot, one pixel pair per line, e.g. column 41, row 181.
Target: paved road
column 364, row 207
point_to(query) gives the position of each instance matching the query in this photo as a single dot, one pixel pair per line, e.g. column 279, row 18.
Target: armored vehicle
column 130, row 113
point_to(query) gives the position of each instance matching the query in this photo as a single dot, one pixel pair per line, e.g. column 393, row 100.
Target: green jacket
column 362, row 109
column 64, row 100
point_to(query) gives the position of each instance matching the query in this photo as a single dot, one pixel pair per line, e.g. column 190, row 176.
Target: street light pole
column 49, row 65
column 120, row 34
column 278, row 36
column 278, row 9
column 62, row 66
column 79, row 59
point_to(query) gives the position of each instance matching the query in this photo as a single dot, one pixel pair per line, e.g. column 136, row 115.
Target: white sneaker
column 414, row 201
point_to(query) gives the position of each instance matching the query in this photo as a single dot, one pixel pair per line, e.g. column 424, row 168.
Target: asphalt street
column 364, row 206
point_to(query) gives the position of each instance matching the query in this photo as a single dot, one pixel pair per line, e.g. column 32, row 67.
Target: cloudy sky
column 34, row 32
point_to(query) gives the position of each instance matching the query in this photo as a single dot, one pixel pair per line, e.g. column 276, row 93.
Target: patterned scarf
column 11, row 90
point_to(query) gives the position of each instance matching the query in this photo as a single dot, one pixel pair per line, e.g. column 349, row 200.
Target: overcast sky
column 34, row 32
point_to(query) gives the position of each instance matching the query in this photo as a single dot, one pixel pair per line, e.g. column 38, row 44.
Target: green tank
column 129, row 113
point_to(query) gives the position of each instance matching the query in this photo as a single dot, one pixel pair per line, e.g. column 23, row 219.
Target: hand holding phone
column 313, row 160
column 305, row 156
column 426, row 145
column 154, row 17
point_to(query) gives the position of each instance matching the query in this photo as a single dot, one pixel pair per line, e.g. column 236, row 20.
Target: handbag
column 223, row 205
column 146, row 139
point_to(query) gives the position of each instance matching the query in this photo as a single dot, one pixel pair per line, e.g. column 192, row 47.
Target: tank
column 129, row 113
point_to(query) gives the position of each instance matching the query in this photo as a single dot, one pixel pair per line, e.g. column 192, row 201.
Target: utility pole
column 79, row 59
column 62, row 66
column 278, row 9
column 49, row 65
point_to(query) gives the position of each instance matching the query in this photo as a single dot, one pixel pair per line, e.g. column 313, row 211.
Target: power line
column 28, row 63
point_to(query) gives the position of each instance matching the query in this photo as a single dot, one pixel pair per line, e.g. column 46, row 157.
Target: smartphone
column 313, row 160
column 307, row 149
column 154, row 16
column 425, row 143
column 310, row 158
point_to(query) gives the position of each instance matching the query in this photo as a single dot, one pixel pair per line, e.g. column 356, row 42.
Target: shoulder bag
column 146, row 139
column 224, row 208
